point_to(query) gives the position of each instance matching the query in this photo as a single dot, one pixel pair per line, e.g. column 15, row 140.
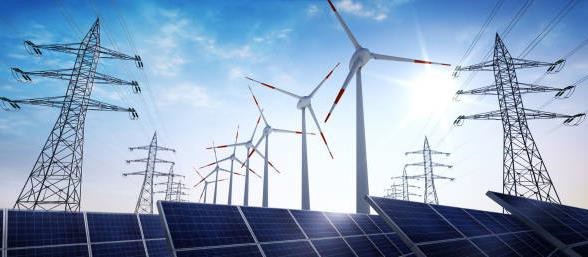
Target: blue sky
column 197, row 53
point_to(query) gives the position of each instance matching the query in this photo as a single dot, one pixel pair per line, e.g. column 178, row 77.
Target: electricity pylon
column 145, row 201
column 55, row 181
column 174, row 188
column 524, row 172
column 430, row 193
column 394, row 192
column 406, row 186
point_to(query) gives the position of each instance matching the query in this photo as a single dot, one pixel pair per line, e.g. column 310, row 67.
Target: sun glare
column 431, row 92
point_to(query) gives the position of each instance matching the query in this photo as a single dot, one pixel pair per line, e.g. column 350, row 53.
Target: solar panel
column 31, row 228
column 272, row 224
column 472, row 233
column 108, row 227
column 562, row 226
column 61, row 234
column 272, row 232
column 289, row 249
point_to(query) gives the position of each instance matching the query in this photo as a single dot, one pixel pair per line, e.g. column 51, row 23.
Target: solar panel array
column 61, row 234
column 435, row 230
column 222, row 230
column 564, row 226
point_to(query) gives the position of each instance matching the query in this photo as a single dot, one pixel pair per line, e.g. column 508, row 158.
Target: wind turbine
column 304, row 103
column 248, row 146
column 205, row 188
column 233, row 158
column 215, row 171
column 267, row 130
column 360, row 58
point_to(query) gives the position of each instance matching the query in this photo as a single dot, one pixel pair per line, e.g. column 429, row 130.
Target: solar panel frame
column 546, row 233
column 501, row 223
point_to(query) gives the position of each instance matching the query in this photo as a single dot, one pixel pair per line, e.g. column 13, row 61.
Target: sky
column 196, row 54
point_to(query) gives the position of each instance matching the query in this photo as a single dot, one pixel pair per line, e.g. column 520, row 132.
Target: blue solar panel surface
column 126, row 249
column 62, row 234
column 61, row 251
column 199, row 225
column 480, row 233
column 151, row 225
column 315, row 224
column 108, row 227
column 333, row 247
column 289, row 249
column 562, row 225
column 273, row 232
column 272, row 224
column 237, row 251
column 31, row 228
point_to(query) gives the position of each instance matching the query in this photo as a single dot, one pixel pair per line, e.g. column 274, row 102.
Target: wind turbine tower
column 267, row 130
column 359, row 59
column 304, row 103
column 248, row 146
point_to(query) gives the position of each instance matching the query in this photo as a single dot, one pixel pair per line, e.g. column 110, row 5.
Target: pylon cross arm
column 34, row 49
column 483, row 66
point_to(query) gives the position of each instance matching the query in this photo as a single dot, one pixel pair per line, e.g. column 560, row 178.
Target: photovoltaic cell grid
column 222, row 230
column 57, row 234
column 564, row 226
column 435, row 230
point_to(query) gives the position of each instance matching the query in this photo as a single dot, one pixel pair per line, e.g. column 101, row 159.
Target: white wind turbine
column 304, row 103
column 361, row 57
column 248, row 146
column 215, row 171
column 267, row 130
column 205, row 187
column 233, row 158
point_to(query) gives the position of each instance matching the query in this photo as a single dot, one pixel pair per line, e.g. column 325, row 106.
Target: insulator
column 20, row 75
column 566, row 92
column 32, row 48
column 138, row 61
column 556, row 67
column 458, row 121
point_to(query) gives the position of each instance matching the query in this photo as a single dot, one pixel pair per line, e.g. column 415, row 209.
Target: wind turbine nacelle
column 360, row 57
column 303, row 102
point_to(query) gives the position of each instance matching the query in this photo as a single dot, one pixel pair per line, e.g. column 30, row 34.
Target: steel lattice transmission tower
column 406, row 186
column 174, row 188
column 145, row 201
column 524, row 172
column 394, row 192
column 55, row 181
column 430, row 193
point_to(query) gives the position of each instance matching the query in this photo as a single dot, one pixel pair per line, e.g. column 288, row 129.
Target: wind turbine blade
column 253, row 150
column 208, row 165
column 224, row 146
column 268, row 162
column 324, row 79
column 228, row 171
column 320, row 130
column 201, row 195
column 275, row 88
column 402, row 59
column 292, row 131
column 344, row 25
column 258, row 107
column 204, row 178
column 255, row 129
column 214, row 149
column 243, row 164
column 198, row 172
column 352, row 72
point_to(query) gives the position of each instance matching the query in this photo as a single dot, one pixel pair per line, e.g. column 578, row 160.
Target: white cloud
column 185, row 94
column 312, row 10
column 273, row 36
column 377, row 11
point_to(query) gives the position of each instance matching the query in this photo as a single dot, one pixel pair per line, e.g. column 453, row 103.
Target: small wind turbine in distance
column 205, row 187
column 215, row 171
column 304, row 103
column 360, row 58
column 248, row 146
column 267, row 130
column 233, row 157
